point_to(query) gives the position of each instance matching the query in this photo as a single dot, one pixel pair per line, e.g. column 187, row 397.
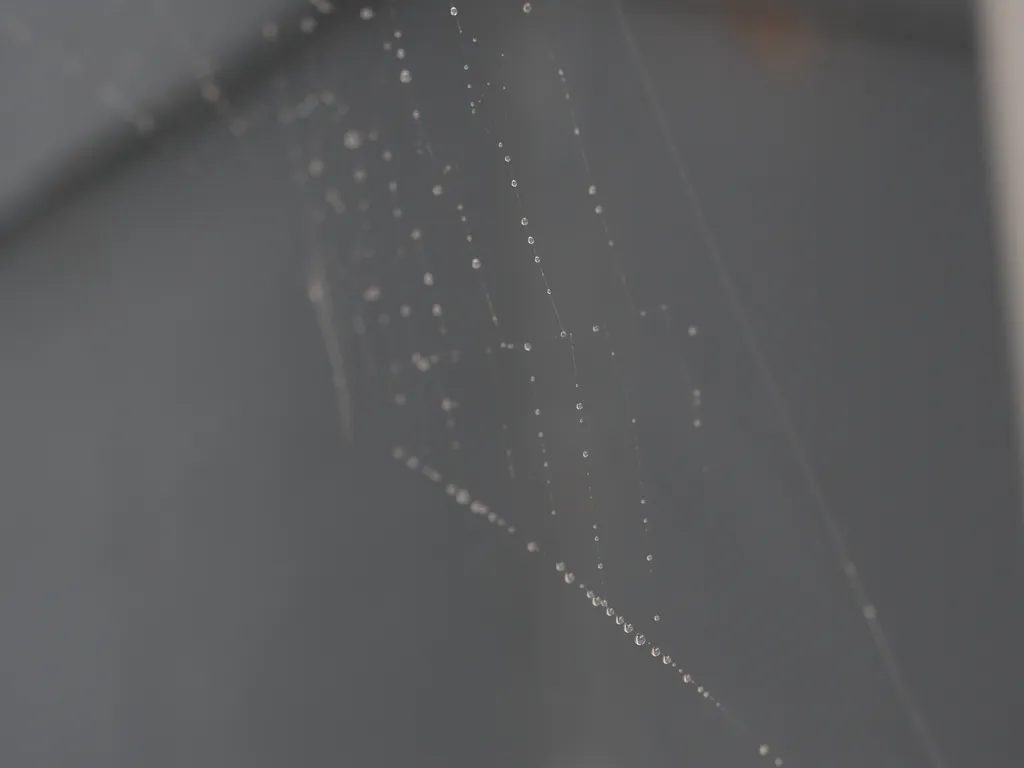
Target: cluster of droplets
column 564, row 334
column 599, row 210
column 531, row 242
column 438, row 190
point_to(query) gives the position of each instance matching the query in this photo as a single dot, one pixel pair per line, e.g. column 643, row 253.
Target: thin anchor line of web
column 837, row 539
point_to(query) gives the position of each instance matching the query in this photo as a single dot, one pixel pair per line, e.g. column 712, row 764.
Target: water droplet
column 666, row 659
column 524, row 221
column 559, row 567
column 532, row 547
column 316, row 167
column 596, row 328
column 655, row 651
column 598, row 209
column 530, row 240
column 640, row 639
column 586, row 454
column 527, row 7
column 476, row 263
column 367, row 13
column 657, row 617
column 763, row 749
column 428, row 278
column 372, row 293
column 650, row 558
column 438, row 189
column 569, row 578
column 515, row 183
column 579, row 406
column 596, row 601
column 353, row 139
column 619, row 620
column 692, row 330
column 527, row 346
column 508, row 159
column 870, row 613
column 536, row 259
column 405, row 76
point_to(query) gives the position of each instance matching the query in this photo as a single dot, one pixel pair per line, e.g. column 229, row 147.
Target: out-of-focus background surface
column 198, row 568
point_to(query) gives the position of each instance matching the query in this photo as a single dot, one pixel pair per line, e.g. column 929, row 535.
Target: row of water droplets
column 465, row 499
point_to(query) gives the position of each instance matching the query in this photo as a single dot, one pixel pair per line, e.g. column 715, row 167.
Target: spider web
column 563, row 369
column 484, row 287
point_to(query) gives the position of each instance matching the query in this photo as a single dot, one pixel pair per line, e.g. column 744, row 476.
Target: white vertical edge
column 1000, row 25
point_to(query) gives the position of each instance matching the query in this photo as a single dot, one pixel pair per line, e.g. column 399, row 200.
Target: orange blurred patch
column 774, row 31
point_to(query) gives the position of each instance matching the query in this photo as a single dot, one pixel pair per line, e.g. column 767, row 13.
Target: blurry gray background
column 197, row 569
